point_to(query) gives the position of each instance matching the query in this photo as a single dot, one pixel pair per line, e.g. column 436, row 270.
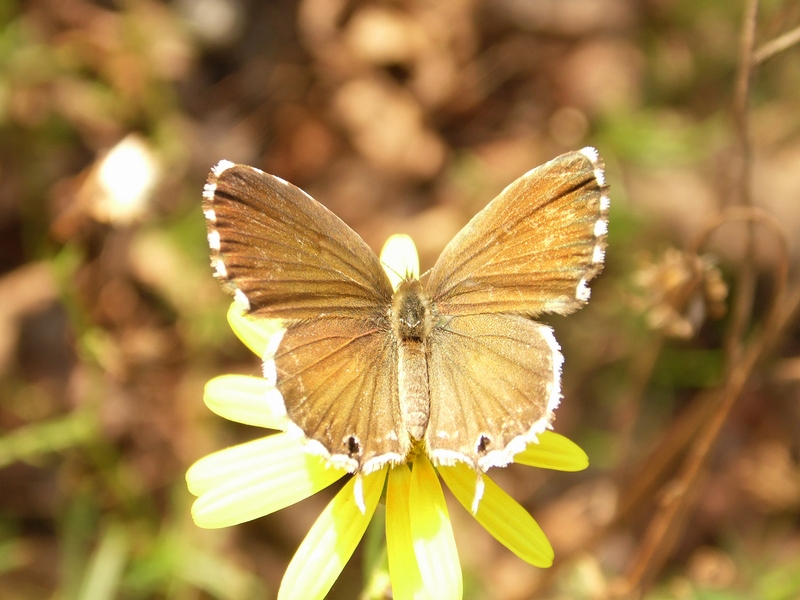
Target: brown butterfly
column 456, row 367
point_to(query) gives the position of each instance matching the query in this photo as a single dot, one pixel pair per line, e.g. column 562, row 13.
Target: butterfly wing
column 339, row 379
column 288, row 256
column 494, row 383
column 534, row 248
column 285, row 256
column 494, row 373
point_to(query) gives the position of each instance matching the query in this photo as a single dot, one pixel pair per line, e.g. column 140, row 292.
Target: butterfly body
column 453, row 364
column 412, row 322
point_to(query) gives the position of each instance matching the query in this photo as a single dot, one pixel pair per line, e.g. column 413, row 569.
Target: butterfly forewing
column 286, row 254
column 534, row 248
column 494, row 386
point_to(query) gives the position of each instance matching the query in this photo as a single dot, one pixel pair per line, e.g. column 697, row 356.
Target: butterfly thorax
column 412, row 314
column 412, row 321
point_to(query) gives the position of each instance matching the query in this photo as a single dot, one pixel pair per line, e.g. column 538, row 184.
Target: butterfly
column 453, row 365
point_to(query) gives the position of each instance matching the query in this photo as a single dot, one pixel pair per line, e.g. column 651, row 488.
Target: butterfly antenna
column 388, row 267
column 408, row 275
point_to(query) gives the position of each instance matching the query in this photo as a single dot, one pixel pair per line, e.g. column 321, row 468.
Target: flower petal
column 255, row 479
column 231, row 463
column 399, row 259
column 432, row 533
column 403, row 568
column 500, row 515
column 553, row 451
column 248, row 400
column 254, row 333
column 332, row 539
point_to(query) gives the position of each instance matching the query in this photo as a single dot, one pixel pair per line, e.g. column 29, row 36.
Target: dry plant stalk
column 677, row 496
column 692, row 437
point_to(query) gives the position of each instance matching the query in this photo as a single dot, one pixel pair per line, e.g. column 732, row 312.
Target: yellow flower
column 257, row 478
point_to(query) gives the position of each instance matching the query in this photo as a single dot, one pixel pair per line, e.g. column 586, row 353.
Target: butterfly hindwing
column 494, row 383
column 339, row 387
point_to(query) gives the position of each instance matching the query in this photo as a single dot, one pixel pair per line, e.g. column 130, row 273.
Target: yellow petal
column 255, row 479
column 500, row 515
column 553, row 451
column 399, row 259
column 248, row 400
column 403, row 570
column 254, row 333
column 334, row 536
column 432, row 533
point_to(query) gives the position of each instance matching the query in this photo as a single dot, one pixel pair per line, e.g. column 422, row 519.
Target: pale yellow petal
column 399, row 259
column 334, row 536
column 403, row 569
column 432, row 533
column 553, row 451
column 251, row 480
column 248, row 400
column 254, row 333
column 231, row 463
column 500, row 515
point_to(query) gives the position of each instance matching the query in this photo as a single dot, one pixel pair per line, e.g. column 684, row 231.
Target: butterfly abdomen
column 415, row 397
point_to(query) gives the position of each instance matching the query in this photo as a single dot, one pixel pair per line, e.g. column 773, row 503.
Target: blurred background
column 682, row 375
